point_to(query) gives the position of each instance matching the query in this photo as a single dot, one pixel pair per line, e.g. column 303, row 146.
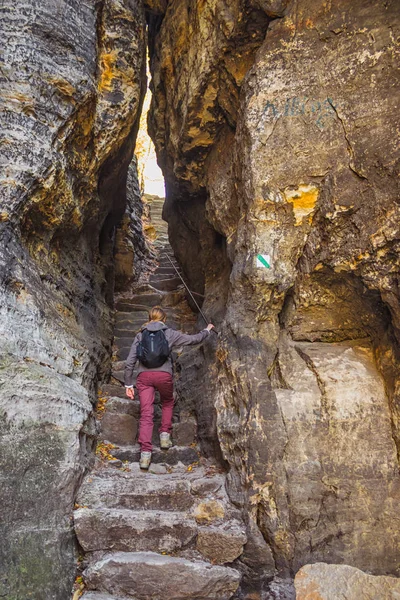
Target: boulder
column 321, row 581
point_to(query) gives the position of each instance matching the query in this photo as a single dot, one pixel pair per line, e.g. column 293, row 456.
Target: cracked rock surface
column 282, row 211
column 71, row 85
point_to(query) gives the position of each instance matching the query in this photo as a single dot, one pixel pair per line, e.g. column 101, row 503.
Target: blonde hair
column 157, row 314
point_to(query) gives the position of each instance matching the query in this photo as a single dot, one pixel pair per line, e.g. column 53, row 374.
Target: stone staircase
column 170, row 533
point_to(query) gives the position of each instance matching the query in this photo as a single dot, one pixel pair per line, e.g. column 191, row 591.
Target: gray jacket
column 174, row 338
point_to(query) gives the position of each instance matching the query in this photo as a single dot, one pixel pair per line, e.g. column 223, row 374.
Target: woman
column 151, row 378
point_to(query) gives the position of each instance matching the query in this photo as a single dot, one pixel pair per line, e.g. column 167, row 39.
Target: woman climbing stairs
column 170, row 533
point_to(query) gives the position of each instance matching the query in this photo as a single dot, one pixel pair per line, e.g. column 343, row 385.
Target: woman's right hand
column 130, row 392
column 209, row 327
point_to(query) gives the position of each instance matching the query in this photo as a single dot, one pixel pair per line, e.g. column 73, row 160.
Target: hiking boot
column 165, row 441
column 145, row 460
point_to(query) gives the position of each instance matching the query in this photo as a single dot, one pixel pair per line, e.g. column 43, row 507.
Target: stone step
column 100, row 596
column 122, row 405
column 164, row 263
column 123, row 351
column 111, row 390
column 146, row 299
column 143, row 491
column 121, row 429
column 119, row 423
column 130, row 317
column 186, row 455
column 133, row 531
column 129, row 306
column 147, row 575
column 167, row 285
column 127, row 331
column 157, row 277
column 165, row 270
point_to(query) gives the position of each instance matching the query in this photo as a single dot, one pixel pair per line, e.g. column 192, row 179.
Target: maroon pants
column 146, row 384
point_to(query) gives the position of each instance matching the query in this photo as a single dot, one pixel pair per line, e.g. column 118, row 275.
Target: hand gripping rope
column 191, row 294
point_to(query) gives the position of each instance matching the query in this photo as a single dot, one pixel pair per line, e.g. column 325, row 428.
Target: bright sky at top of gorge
column 150, row 175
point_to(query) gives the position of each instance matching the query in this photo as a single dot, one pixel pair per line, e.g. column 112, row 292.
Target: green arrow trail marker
column 263, row 260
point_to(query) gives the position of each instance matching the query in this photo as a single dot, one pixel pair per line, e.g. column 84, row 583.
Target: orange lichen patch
column 209, row 511
column 19, row 97
column 107, row 67
column 62, row 85
column 238, row 65
column 150, row 231
column 303, row 200
column 64, row 311
column 221, row 354
column 4, row 217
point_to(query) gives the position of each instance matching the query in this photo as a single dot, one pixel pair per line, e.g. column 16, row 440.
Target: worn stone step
column 122, row 405
column 131, row 317
column 156, row 279
column 111, row 390
column 147, row 575
column 123, row 351
column 121, row 427
column 119, row 423
column 121, row 432
column 163, row 259
column 101, row 596
column 186, row 455
column 167, row 285
column 146, row 299
column 120, row 489
column 128, row 306
column 165, row 271
column 128, row 331
column 133, row 531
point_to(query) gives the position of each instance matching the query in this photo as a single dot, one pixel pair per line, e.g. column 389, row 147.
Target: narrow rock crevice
column 178, row 515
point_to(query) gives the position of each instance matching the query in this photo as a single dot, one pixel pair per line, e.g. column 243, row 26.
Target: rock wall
column 72, row 79
column 276, row 127
column 133, row 254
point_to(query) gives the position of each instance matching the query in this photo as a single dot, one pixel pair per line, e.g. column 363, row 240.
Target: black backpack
column 153, row 349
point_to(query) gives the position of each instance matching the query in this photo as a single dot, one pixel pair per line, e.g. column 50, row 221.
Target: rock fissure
column 349, row 146
column 179, row 508
column 321, row 385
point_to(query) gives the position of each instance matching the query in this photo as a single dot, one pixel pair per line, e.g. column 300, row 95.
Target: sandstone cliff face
column 275, row 124
column 72, row 77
